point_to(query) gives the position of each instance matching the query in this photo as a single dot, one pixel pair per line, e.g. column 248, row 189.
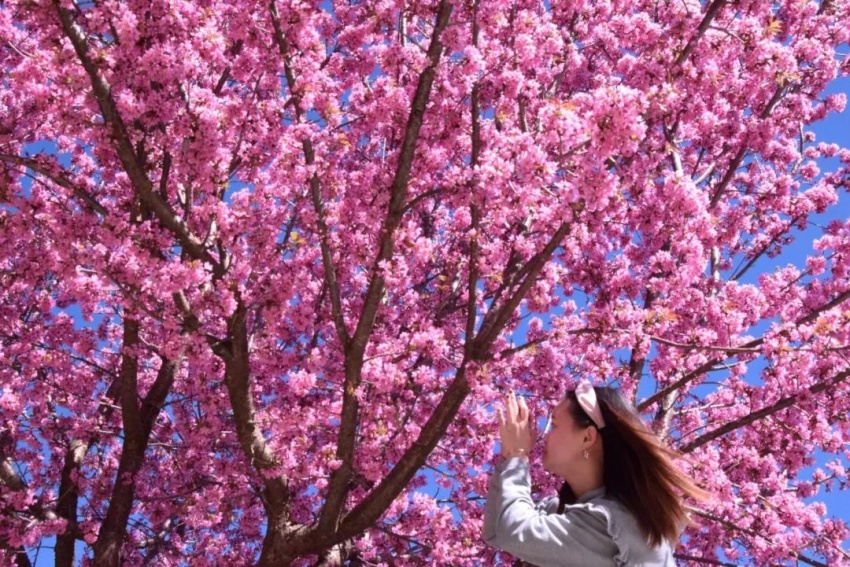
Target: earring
column 586, row 455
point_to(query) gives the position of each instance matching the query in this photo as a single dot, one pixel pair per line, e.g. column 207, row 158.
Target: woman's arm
column 548, row 505
column 513, row 523
column 492, row 506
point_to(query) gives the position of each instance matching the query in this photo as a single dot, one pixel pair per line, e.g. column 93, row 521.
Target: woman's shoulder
column 623, row 528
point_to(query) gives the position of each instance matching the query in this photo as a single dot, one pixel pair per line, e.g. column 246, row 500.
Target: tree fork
column 124, row 147
column 355, row 349
column 138, row 425
column 235, row 354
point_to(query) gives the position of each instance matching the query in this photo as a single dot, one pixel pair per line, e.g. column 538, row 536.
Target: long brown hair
column 638, row 469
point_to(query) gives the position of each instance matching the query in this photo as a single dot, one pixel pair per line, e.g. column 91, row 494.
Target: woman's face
column 564, row 444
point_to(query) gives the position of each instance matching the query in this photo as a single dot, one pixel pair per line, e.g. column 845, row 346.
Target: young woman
column 620, row 504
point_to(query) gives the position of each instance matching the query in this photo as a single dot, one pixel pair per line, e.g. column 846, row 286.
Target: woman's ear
column 591, row 434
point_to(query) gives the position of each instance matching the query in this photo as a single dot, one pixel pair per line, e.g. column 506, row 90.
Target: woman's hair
column 638, row 469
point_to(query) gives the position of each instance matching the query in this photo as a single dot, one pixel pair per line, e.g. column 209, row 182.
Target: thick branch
column 129, row 382
column 68, row 489
column 107, row 549
column 376, row 502
column 496, row 319
column 39, row 168
column 338, row 485
column 66, row 507
column 124, row 147
column 753, row 417
column 315, row 189
column 371, row 507
column 710, row 14
column 158, row 393
column 398, row 189
column 708, row 365
column 235, row 354
column 138, row 424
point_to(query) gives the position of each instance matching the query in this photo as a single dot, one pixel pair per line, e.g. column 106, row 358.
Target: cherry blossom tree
column 266, row 266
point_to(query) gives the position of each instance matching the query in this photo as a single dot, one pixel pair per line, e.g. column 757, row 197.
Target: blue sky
column 835, row 129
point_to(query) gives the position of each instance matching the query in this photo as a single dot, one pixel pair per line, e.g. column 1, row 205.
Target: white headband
column 586, row 396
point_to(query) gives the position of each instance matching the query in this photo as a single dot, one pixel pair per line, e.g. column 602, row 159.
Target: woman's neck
column 585, row 480
column 580, row 489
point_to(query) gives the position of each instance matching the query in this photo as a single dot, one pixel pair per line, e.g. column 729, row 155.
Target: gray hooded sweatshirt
column 596, row 531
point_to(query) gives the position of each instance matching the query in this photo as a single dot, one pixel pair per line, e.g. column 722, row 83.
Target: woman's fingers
column 510, row 407
column 514, row 424
column 522, row 414
column 516, row 410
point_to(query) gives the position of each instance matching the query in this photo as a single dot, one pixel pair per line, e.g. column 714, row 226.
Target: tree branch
column 66, row 507
column 235, row 354
column 685, row 557
column 755, row 257
column 355, row 349
column 496, row 319
column 686, row 346
column 779, row 405
column 8, row 475
column 742, row 152
column 138, row 424
column 727, row 177
column 474, row 212
column 710, row 14
column 124, row 147
column 708, row 365
column 107, row 548
column 13, row 481
column 373, row 505
column 19, row 553
column 807, row 560
column 315, row 189
column 398, row 189
column 732, row 526
column 637, row 362
column 40, row 168
column 531, row 344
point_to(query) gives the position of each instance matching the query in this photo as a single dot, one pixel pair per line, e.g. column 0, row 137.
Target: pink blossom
column 256, row 281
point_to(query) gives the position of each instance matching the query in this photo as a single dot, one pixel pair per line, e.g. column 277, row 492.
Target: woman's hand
column 515, row 428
